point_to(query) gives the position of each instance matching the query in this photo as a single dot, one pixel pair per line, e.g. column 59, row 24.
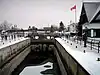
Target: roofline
column 91, row 1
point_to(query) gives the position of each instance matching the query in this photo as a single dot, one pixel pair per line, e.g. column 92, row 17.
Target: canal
column 38, row 63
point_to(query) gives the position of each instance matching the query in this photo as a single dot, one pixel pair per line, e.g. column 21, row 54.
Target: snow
column 88, row 60
column 8, row 47
column 31, row 70
column 10, row 42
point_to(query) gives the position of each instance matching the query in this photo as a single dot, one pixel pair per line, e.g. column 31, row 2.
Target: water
column 38, row 63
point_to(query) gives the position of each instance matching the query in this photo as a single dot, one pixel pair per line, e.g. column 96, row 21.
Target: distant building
column 72, row 28
column 47, row 28
column 51, row 29
column 90, row 18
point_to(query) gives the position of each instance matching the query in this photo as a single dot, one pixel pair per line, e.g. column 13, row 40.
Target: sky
column 39, row 13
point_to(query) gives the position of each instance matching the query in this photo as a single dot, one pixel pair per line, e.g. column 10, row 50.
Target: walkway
column 9, row 41
column 86, row 57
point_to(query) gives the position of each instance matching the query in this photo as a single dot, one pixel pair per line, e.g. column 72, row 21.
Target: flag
column 74, row 7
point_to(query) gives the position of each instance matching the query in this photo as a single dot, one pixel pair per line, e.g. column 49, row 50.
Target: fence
column 92, row 43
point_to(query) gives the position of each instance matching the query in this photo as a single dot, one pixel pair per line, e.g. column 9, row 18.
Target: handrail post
column 91, row 44
column 98, row 46
column 77, row 40
column 80, row 40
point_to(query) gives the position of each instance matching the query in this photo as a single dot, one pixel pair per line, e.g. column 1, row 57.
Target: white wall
column 92, row 26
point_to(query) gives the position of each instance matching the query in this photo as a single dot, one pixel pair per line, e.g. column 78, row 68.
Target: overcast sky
column 38, row 13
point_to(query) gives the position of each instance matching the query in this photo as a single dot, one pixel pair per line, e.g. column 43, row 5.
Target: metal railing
column 92, row 43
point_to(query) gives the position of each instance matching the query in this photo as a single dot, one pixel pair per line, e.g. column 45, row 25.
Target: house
column 72, row 28
column 90, row 18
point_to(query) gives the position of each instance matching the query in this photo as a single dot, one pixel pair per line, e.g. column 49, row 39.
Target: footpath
column 89, row 59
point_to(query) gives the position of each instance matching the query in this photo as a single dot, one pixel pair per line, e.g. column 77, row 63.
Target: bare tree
column 61, row 27
column 5, row 25
column 52, row 28
column 29, row 27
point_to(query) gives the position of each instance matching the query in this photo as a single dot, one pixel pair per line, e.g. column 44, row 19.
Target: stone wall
column 13, row 55
column 70, row 64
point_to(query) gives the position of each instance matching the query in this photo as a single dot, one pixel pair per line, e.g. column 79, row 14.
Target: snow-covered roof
column 96, row 14
column 91, row 11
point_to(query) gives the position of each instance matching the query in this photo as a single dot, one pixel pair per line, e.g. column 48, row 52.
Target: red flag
column 74, row 7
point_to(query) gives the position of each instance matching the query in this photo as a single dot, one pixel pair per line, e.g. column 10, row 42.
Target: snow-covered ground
column 7, row 47
column 4, row 43
column 88, row 59
column 94, row 43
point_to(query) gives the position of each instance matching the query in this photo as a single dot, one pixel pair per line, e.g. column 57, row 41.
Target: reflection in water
column 37, row 63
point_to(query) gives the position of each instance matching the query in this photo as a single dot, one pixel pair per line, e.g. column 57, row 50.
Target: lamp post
column 85, row 36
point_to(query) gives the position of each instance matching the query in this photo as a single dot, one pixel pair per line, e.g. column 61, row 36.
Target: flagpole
column 75, row 16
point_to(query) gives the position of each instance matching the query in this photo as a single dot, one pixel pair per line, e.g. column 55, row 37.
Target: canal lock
column 40, row 61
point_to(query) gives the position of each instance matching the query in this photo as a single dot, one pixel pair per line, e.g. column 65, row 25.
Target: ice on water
column 35, row 70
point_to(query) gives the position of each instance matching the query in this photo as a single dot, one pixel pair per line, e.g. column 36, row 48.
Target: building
column 72, row 28
column 90, row 18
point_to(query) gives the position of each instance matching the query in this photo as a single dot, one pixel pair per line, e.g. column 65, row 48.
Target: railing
column 92, row 43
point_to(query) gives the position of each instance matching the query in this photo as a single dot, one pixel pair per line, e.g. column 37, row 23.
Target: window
column 96, row 33
column 89, row 33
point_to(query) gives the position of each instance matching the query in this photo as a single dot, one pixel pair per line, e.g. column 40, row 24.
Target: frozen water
column 31, row 70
